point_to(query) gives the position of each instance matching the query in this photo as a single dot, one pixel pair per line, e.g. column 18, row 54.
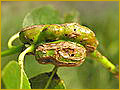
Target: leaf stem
column 21, row 61
column 12, row 39
column 50, row 79
column 12, row 50
column 96, row 55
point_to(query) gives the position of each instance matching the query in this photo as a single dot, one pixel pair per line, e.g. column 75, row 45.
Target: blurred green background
column 100, row 16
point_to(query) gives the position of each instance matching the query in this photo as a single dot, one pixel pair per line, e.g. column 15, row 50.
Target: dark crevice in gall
column 65, row 34
column 45, row 29
column 31, row 40
column 72, row 54
column 74, row 29
column 49, row 40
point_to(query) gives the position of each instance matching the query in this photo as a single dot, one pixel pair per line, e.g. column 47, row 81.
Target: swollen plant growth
column 61, row 43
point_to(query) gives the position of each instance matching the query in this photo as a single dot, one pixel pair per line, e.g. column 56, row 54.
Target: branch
column 12, row 50
column 50, row 79
column 96, row 55
column 12, row 39
column 21, row 61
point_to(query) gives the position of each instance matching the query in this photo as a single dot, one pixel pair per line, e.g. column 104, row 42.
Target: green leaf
column 39, row 82
column 71, row 17
column 11, row 77
column 44, row 15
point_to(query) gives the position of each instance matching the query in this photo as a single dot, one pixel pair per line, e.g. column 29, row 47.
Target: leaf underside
column 39, row 82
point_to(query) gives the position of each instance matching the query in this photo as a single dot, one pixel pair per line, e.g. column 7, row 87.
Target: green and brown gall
column 61, row 53
column 38, row 34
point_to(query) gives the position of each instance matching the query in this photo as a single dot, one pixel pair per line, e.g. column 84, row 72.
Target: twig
column 12, row 39
column 21, row 61
column 96, row 55
column 50, row 79
column 12, row 50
